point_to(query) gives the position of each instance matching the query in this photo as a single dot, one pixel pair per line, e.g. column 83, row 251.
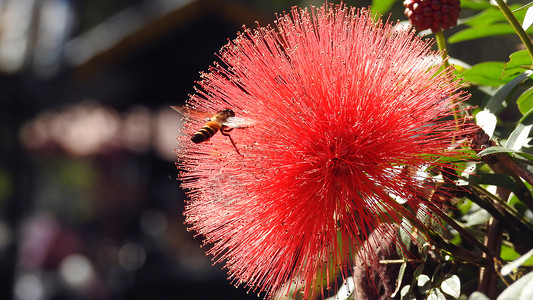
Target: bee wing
column 191, row 113
column 237, row 122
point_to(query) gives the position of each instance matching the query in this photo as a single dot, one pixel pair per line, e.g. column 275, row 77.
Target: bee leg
column 224, row 131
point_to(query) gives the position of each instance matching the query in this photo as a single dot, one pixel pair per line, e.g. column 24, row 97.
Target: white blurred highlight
column 14, row 40
column 29, row 287
column 54, row 26
column 90, row 129
column 77, row 271
column 83, row 130
column 167, row 124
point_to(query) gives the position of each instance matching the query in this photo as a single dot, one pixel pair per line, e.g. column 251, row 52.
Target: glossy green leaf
column 519, row 58
column 420, row 268
column 382, row 6
column 405, row 233
column 399, row 279
column 498, row 149
column 519, row 14
column 508, row 253
column 477, row 32
column 501, row 180
column 497, row 100
column 519, row 62
column 518, row 137
column 476, row 218
column 451, row 286
column 407, row 294
column 486, row 73
column 527, row 118
column 488, row 16
column 436, row 294
column 515, row 264
column 523, row 7
column 494, row 150
column 346, row 290
column 424, row 283
column 522, row 289
column 464, row 206
column 528, row 19
column 490, row 22
column 475, row 4
column 525, row 101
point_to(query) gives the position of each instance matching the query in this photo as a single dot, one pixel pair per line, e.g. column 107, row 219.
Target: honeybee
column 223, row 120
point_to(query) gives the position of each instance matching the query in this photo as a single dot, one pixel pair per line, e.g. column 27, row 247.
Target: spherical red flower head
column 341, row 104
column 432, row 14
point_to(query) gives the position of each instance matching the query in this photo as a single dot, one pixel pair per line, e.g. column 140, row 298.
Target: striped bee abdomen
column 206, row 132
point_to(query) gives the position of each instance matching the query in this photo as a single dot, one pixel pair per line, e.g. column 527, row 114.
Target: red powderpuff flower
column 341, row 104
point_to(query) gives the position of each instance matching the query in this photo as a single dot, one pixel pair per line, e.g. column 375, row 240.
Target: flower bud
column 432, row 14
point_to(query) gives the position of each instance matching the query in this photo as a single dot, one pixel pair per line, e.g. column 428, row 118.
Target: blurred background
column 90, row 207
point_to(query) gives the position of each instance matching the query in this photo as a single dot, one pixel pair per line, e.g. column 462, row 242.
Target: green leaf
column 481, row 32
column 476, row 218
column 451, row 286
column 490, row 22
column 478, row 296
column 501, row 180
column 515, row 264
column 407, row 294
column 382, row 6
column 525, row 101
column 508, row 253
column 518, row 137
column 518, row 59
column 346, row 290
column 464, row 206
column 496, row 101
column 523, row 7
column 493, row 150
column 475, row 4
column 420, row 268
column 498, row 149
column 488, row 16
column 518, row 62
column 519, row 14
column 436, row 294
column 486, row 73
column 405, row 232
column 522, row 289
column 424, row 283
column 527, row 118
column 399, row 279
column 528, row 19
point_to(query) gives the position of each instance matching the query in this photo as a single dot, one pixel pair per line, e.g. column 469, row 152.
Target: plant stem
column 517, row 27
column 400, row 261
column 502, row 162
column 518, row 169
column 488, row 279
column 441, row 43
